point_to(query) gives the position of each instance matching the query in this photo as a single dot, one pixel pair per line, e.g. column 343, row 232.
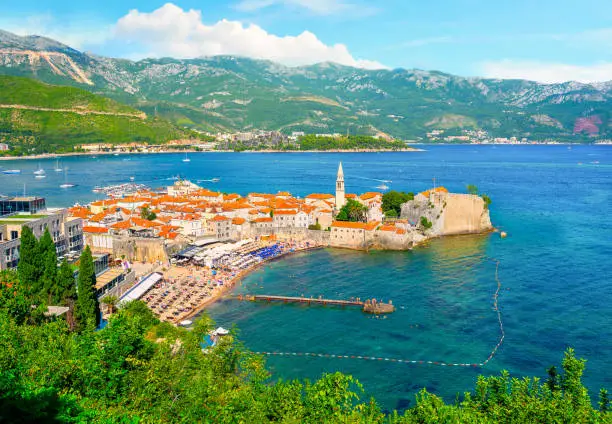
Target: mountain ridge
column 232, row 93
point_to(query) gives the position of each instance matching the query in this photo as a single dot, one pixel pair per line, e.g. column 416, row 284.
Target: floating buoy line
column 414, row 361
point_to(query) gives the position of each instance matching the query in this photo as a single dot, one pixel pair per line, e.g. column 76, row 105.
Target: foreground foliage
column 140, row 370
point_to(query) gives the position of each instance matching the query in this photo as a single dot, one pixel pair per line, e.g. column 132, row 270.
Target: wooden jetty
column 368, row 306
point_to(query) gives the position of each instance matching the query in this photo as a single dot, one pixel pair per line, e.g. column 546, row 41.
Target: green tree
column 604, row 401
column 87, row 308
column 487, row 200
column 352, row 211
column 472, row 189
column 426, row 223
column 29, row 268
column 392, row 202
column 65, row 288
column 148, row 214
column 46, row 253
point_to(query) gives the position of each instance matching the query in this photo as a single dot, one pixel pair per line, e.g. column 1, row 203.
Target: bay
column 555, row 270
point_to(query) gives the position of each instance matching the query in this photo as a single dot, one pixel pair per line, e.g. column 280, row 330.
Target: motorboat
column 40, row 176
column 12, row 171
column 382, row 187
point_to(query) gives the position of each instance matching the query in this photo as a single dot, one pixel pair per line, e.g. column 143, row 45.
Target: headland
column 203, row 242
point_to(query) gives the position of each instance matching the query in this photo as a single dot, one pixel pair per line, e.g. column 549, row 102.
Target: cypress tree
column 65, row 288
column 87, row 307
column 46, row 253
column 27, row 269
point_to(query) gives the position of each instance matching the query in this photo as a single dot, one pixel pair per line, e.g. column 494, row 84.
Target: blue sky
column 543, row 40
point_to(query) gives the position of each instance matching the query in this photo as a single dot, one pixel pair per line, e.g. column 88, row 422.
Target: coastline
column 234, row 282
column 60, row 155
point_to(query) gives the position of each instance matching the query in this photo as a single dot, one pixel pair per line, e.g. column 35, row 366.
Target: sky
column 542, row 40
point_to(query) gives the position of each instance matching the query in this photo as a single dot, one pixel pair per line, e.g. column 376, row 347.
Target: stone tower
column 340, row 200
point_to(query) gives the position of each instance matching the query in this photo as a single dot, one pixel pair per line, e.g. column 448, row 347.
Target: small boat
column 12, row 171
column 57, row 167
column 98, row 189
column 66, row 183
column 215, row 180
column 115, row 154
column 382, row 187
column 39, row 171
column 40, row 176
column 131, row 178
column 186, row 158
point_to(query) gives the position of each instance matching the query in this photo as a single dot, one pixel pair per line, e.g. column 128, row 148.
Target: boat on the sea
column 131, row 178
column 66, row 184
column 39, row 171
column 382, row 187
column 57, row 167
column 40, row 176
column 186, row 158
column 98, row 189
column 12, row 171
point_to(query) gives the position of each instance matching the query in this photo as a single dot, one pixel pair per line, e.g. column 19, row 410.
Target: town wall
column 465, row 214
column 294, row 234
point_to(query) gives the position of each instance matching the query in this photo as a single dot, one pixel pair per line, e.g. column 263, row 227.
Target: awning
column 141, row 288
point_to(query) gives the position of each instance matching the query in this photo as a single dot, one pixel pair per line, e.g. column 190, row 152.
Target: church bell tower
column 340, row 200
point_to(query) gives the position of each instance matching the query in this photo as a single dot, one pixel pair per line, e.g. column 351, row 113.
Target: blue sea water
column 555, row 269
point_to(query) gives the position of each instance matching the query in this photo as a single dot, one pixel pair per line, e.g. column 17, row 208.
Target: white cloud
column 547, row 72
column 172, row 31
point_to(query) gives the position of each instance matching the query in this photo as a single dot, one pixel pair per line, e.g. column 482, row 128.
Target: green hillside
column 225, row 93
column 25, row 91
column 38, row 118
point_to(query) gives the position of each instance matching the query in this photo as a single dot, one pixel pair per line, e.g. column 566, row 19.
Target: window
column 14, row 235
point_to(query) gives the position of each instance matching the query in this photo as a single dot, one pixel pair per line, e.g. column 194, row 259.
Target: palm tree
column 111, row 303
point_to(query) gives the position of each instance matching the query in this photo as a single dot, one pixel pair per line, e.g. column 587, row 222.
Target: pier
column 368, row 306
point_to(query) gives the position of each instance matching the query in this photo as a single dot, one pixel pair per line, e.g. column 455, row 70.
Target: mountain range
column 224, row 93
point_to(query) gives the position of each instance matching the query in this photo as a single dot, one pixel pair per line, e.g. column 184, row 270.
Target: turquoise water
column 555, row 267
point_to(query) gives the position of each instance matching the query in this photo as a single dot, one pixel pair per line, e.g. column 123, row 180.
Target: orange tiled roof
column 238, row 221
column 356, row 225
column 351, row 196
column 123, row 225
column 387, row 228
column 370, row 195
column 95, row 230
column 264, row 219
column 220, row 218
column 320, row 196
column 440, row 189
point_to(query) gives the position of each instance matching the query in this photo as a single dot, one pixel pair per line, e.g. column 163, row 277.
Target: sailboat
column 66, row 183
column 57, row 167
column 39, row 171
column 186, row 158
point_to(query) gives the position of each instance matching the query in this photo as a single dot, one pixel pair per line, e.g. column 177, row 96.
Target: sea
column 554, row 268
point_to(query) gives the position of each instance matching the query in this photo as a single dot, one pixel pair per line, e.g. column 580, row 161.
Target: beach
column 188, row 289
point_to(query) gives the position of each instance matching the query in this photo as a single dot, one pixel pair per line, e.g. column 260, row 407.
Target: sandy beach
column 187, row 290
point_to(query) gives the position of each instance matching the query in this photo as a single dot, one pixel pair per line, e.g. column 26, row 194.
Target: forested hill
column 230, row 93
column 36, row 117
